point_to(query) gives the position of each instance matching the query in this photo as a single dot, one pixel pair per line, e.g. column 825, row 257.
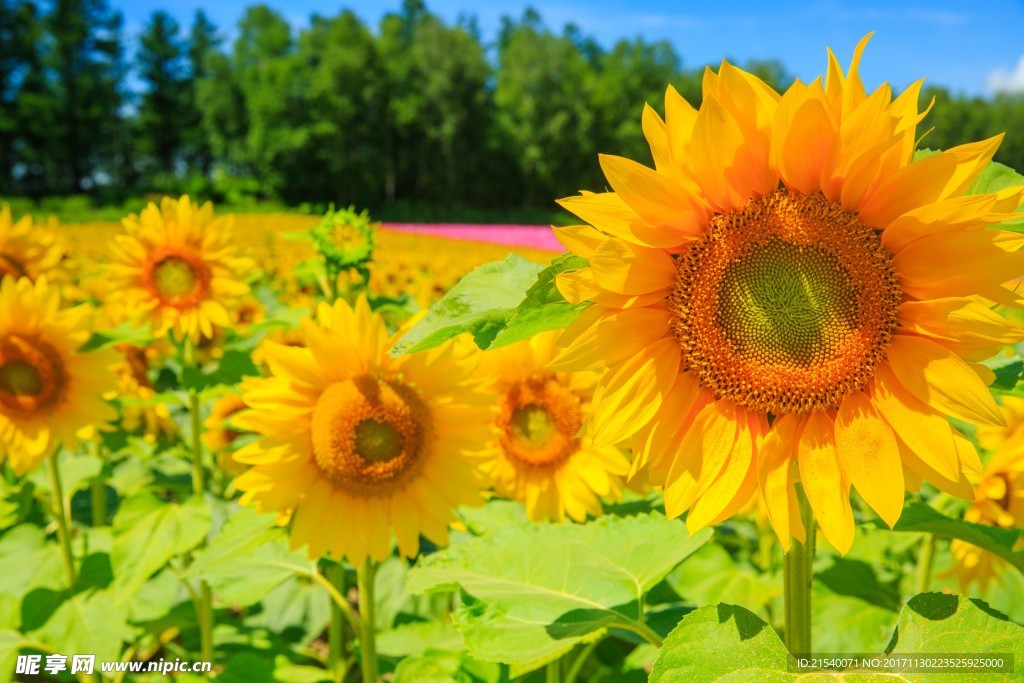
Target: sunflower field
column 759, row 416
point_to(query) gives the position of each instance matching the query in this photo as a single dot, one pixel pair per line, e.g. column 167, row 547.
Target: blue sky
column 971, row 47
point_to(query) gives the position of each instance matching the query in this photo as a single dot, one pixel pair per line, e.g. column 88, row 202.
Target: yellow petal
column 775, row 476
column 826, row 485
column 919, row 427
column 626, row 268
column 941, row 379
column 870, row 456
column 631, row 394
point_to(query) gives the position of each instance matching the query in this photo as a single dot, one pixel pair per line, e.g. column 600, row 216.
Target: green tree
column 165, row 108
column 203, row 45
column 542, row 98
column 87, row 66
column 438, row 108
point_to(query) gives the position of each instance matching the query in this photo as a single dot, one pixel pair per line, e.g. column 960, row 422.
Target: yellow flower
column 219, row 435
column 50, row 393
column 360, row 444
column 788, row 296
column 136, row 390
column 998, row 501
column 538, row 458
column 26, row 250
column 991, row 437
column 176, row 268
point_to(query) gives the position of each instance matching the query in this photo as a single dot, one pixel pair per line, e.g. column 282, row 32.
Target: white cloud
column 1002, row 80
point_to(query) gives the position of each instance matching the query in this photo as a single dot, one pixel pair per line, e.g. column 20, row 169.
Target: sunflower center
column 786, row 305
column 539, row 421
column 174, row 277
column 179, row 278
column 31, row 375
column 368, row 434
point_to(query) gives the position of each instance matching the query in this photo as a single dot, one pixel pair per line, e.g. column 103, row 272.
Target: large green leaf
column 248, row 559
column 721, row 643
column 920, row 517
column 498, row 303
column 531, row 592
column 88, row 623
column 712, row 576
column 729, row 644
column 544, row 307
column 148, row 532
column 480, row 303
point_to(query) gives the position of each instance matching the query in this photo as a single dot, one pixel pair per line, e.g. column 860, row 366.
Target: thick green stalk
column 798, row 577
column 336, row 633
column 204, row 606
column 60, row 515
column 925, row 558
column 365, row 575
column 98, row 491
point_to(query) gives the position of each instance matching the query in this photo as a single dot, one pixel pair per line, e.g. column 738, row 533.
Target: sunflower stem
column 581, row 659
column 925, row 559
column 335, row 573
column 98, row 491
column 365, row 576
column 798, row 577
column 204, row 606
column 60, row 515
column 553, row 672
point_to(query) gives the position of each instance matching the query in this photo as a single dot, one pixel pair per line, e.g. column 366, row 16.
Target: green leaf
column 920, row 517
column 712, row 576
column 27, row 562
column 531, row 592
column 248, row 559
column 123, row 334
column 729, row 644
column 544, row 307
column 296, row 603
column 995, row 177
column 941, row 623
column 10, row 644
column 445, row 667
column 480, row 303
column 1008, row 372
column 148, row 532
column 231, row 368
column 88, row 623
column 722, row 643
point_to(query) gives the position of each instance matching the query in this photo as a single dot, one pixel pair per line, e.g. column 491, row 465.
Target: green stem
column 335, row 573
column 60, row 515
column 643, row 630
column 204, row 606
column 553, row 672
column 366, row 575
column 336, row 597
column 581, row 659
column 925, row 559
column 798, row 577
column 98, row 491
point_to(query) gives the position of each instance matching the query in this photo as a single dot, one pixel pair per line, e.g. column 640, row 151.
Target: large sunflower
column 26, row 250
column 539, row 457
column 176, row 268
column 50, row 393
column 790, row 296
column 358, row 444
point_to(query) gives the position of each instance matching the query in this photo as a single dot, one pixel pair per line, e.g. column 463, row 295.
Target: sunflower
column 359, row 444
column 50, row 393
column 26, row 250
column 538, row 458
column 138, row 410
column 998, row 501
column 791, row 296
column 176, row 268
column 219, row 434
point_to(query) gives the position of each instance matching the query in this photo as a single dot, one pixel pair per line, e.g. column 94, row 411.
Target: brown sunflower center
column 32, row 375
column 368, row 434
column 786, row 305
column 179, row 278
column 539, row 421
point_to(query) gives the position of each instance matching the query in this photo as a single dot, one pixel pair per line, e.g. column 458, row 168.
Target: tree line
column 414, row 110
